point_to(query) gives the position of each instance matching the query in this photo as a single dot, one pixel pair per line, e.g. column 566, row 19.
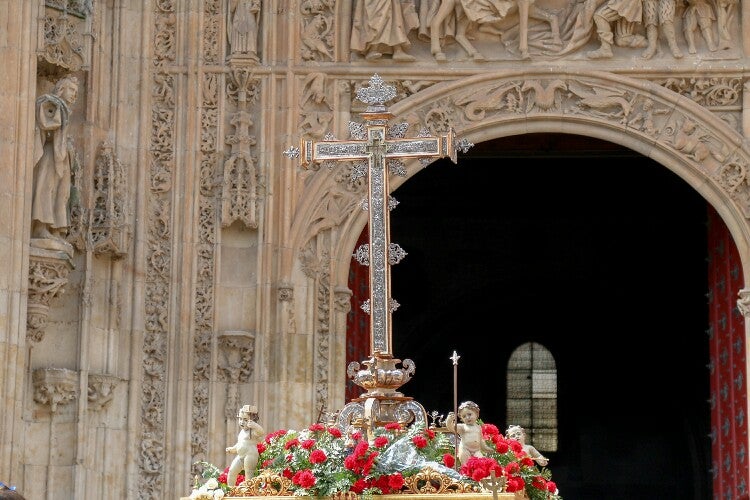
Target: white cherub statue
column 247, row 445
column 519, row 434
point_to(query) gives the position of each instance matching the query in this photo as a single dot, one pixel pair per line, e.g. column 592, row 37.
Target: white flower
column 200, row 494
column 211, row 484
column 218, row 494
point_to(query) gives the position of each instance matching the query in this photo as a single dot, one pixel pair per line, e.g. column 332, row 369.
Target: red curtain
column 358, row 321
column 729, row 443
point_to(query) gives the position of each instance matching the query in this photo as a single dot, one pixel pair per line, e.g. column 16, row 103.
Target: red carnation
column 449, row 460
column 261, row 447
column 515, row 483
column 551, row 486
column 489, row 430
column 430, row 433
column 419, row 441
column 527, row 461
column 381, row 441
column 393, row 426
column 512, row 468
column 304, row 478
column 291, row 443
column 396, row 481
column 335, row 432
column 539, row 483
column 316, row 427
column 308, row 443
column 317, row 456
column 359, row 486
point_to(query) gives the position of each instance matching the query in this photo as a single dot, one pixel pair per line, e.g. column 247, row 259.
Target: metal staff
column 455, row 358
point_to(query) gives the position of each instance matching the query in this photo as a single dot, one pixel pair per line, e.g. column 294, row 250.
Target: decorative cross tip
column 377, row 94
column 463, row 145
column 291, row 152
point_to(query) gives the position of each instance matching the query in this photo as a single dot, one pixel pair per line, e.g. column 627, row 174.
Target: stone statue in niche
column 242, row 28
column 54, row 161
column 381, row 27
column 251, row 433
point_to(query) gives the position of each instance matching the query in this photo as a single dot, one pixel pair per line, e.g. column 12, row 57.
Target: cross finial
column 455, row 358
column 377, row 94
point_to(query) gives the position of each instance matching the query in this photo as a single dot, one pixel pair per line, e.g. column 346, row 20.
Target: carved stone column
column 48, row 275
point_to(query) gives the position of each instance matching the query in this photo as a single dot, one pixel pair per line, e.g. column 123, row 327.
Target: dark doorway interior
column 592, row 250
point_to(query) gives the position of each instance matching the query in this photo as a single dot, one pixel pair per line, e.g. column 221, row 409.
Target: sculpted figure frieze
column 483, row 30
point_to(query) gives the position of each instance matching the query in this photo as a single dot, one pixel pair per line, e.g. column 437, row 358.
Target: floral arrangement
column 324, row 461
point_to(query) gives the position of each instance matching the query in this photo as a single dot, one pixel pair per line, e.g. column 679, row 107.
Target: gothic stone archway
column 672, row 130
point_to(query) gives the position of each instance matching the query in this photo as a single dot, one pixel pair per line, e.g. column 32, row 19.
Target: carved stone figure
column 698, row 14
column 659, row 14
column 246, row 447
column 724, row 11
column 612, row 11
column 382, row 27
column 461, row 14
column 242, row 28
column 53, row 161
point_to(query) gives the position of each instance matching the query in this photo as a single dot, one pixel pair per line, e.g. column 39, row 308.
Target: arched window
column 532, row 394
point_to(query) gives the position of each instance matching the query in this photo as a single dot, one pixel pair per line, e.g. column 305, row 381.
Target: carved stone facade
column 208, row 270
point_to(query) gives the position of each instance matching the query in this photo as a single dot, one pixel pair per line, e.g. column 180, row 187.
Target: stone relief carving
column 241, row 178
column 48, row 275
column 109, row 231
column 316, row 264
column 710, row 92
column 316, row 110
column 206, row 231
column 79, row 8
column 54, row 387
column 63, row 43
column 382, row 28
column 240, row 184
column 513, row 29
column 317, row 30
column 101, row 390
column 158, row 256
column 242, row 29
column 236, row 365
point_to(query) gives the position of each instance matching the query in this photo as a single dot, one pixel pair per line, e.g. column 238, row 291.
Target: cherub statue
column 469, row 431
column 246, row 448
column 519, row 434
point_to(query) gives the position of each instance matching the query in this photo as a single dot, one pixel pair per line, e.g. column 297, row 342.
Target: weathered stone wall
column 206, row 270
